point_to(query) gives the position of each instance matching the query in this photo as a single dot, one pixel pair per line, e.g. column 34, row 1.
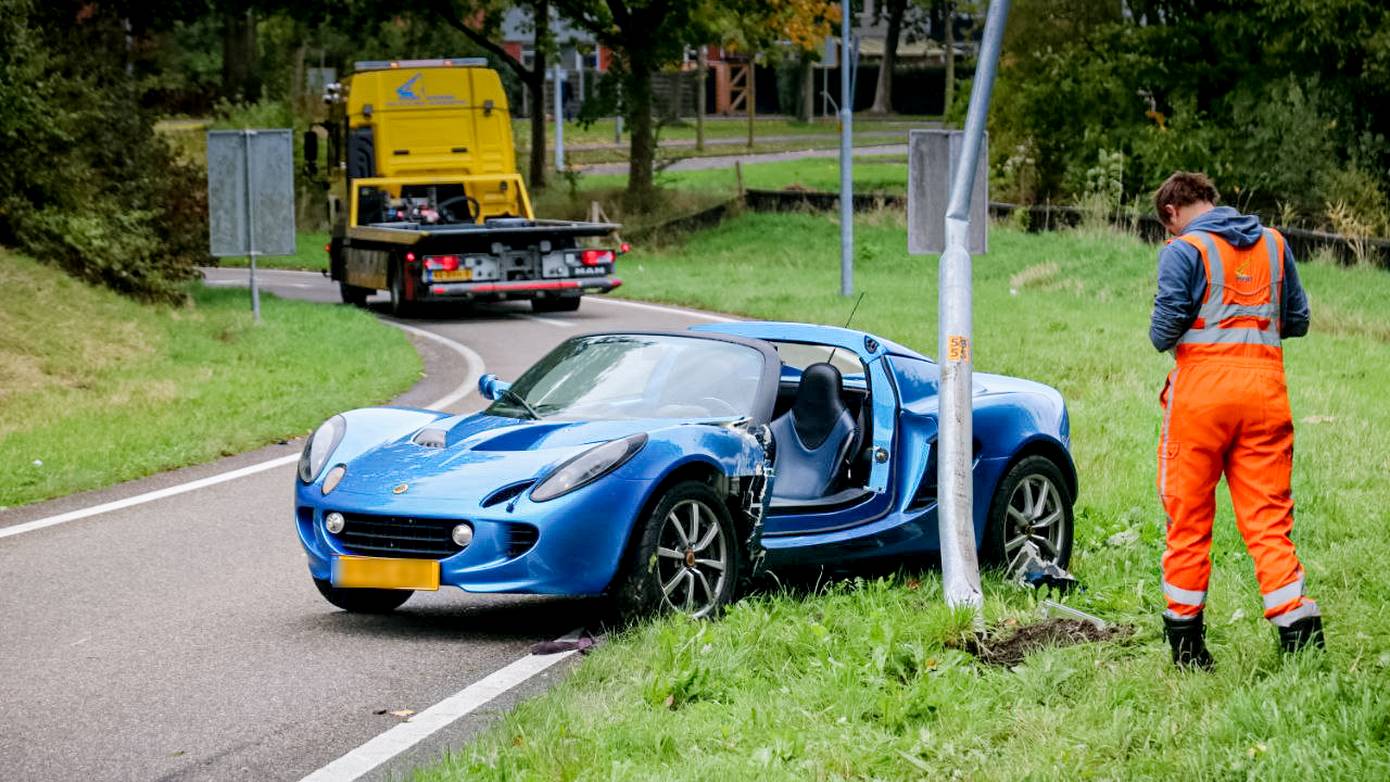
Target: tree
column 779, row 29
column 644, row 36
column 481, row 22
column 948, row 27
column 883, row 91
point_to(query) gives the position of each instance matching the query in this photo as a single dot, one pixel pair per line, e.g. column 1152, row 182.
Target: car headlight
column 319, row 447
column 587, row 467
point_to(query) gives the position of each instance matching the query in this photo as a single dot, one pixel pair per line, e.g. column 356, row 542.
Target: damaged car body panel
column 667, row 468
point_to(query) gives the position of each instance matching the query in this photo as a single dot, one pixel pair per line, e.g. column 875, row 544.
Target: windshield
column 609, row 377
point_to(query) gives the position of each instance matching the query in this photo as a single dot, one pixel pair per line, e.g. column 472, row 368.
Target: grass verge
column 308, row 255
column 601, row 132
column 864, row 679
column 96, row 389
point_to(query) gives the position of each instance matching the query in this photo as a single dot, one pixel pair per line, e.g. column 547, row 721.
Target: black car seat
column 812, row 437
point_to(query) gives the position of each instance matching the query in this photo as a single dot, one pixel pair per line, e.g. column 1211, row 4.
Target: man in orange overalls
column 1228, row 293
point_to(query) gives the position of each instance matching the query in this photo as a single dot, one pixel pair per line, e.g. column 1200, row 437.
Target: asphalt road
column 182, row 638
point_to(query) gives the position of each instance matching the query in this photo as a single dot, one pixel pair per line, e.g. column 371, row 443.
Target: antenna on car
column 848, row 320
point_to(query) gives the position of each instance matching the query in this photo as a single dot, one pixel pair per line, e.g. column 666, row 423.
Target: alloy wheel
column 1035, row 515
column 692, row 558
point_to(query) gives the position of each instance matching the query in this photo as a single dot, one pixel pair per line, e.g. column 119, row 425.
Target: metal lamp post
column 960, row 567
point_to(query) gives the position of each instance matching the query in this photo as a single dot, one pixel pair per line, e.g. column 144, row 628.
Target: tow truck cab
column 429, row 202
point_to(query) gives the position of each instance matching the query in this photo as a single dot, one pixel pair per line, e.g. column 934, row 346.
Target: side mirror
column 492, row 387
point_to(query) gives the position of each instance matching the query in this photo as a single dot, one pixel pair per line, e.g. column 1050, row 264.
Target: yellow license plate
column 381, row 573
column 456, row 275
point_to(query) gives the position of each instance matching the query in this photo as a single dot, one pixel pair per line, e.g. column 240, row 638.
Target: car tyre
column 363, row 601
column 353, row 295
column 660, row 574
column 555, row 304
column 1033, row 493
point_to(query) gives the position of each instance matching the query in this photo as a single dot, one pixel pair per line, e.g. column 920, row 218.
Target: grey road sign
column 251, row 196
column 932, row 156
column 251, row 192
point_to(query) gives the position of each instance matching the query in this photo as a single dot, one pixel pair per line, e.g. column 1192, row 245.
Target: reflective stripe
column 1225, row 311
column 1216, row 335
column 1306, row 609
column 1284, row 593
column 1187, row 597
column 1215, row 271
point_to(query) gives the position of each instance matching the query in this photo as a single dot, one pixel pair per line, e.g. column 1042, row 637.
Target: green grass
column 97, row 389
column 871, row 175
column 861, row 680
column 684, row 192
column 308, row 254
column 601, row 132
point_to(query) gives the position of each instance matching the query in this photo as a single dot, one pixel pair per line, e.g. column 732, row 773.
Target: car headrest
column 818, row 404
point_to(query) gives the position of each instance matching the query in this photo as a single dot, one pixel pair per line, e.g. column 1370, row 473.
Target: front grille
column 398, row 536
column 521, row 538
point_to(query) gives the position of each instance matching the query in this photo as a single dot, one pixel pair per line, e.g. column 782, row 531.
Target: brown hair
column 1183, row 188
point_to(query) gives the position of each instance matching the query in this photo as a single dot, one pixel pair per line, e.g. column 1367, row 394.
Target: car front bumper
column 579, row 538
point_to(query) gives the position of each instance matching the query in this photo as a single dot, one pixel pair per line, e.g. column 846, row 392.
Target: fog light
column 330, row 481
column 463, row 535
column 334, row 522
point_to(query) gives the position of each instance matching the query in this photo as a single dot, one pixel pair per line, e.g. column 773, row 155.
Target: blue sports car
column 666, row 468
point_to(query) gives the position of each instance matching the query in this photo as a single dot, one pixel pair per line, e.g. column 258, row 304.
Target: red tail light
column 410, row 257
column 442, row 263
column 328, row 248
column 596, row 257
column 624, row 248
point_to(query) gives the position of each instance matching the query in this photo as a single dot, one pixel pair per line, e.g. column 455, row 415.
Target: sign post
column 251, row 197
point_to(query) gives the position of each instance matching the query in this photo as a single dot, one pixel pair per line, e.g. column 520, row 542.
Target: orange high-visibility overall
column 1226, row 409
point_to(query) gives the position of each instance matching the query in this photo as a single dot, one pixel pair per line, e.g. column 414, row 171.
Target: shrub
column 88, row 185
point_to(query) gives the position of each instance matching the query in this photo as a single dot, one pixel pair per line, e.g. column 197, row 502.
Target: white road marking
column 149, row 496
column 430, row 721
column 658, row 308
column 475, row 369
column 470, row 357
column 564, row 324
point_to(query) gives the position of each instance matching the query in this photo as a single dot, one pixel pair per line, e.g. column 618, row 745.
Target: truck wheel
column 557, row 304
column 400, row 307
column 353, row 295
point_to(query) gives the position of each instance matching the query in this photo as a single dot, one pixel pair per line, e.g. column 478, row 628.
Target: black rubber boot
column 1188, row 639
column 1306, row 631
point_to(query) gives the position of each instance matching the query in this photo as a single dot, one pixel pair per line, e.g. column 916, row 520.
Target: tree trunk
column 752, row 99
column 950, row 56
column 535, row 85
column 883, row 92
column 808, row 88
column 239, row 56
column 701, row 63
column 642, row 149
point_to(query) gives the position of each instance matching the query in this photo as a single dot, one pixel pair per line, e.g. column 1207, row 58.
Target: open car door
column 859, row 491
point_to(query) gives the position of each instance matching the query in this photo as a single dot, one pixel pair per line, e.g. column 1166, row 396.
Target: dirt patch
column 1009, row 648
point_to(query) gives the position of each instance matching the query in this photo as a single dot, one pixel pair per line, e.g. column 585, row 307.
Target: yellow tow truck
column 430, row 204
